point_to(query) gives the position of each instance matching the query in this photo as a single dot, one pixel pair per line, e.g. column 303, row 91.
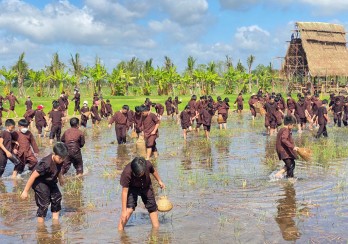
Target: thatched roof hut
column 317, row 50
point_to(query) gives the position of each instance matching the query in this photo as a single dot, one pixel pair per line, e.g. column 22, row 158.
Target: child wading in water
column 43, row 180
column 285, row 147
column 135, row 181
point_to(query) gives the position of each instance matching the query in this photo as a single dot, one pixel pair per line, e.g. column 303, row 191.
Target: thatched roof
column 325, row 48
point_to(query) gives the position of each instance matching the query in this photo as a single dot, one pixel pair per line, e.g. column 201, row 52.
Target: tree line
column 138, row 77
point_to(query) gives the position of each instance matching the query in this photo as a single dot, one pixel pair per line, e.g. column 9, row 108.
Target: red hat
column 40, row 107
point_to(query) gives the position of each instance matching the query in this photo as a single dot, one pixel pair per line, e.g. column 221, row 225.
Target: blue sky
column 116, row 30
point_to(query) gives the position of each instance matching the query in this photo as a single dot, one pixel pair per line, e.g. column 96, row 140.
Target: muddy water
column 220, row 189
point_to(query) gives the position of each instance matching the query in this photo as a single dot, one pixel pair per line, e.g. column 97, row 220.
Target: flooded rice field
column 221, row 191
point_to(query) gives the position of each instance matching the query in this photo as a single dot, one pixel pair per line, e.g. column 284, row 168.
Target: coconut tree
column 147, row 76
column 77, row 67
column 189, row 72
column 21, row 70
column 55, row 71
column 250, row 61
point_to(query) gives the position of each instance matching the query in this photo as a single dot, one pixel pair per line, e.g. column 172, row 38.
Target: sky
column 116, row 30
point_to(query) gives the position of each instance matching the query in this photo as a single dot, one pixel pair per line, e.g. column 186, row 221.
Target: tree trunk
column 21, row 91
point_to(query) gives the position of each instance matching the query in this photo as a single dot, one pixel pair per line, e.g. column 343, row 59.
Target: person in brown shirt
column 252, row 101
column 185, row 120
column 159, row 110
column 176, row 103
column 56, row 120
column 84, row 114
column 2, row 109
column 337, row 109
column 200, row 105
column 102, row 107
column 286, row 148
column 206, row 116
column 61, row 101
column 193, row 107
column 76, row 99
column 137, row 119
column 345, row 109
column 149, row 125
column 108, row 108
column 12, row 100
column 95, row 114
column 44, row 181
column 6, row 144
column 95, row 98
column 222, row 109
column 239, row 101
column 28, row 104
column 270, row 118
column 40, row 120
column 322, row 119
column 135, row 181
column 29, row 115
column 169, row 107
column 74, row 139
column 300, row 114
column 25, row 149
column 291, row 105
column 120, row 119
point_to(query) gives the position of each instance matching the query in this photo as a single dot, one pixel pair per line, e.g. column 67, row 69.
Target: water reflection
column 286, row 213
column 43, row 236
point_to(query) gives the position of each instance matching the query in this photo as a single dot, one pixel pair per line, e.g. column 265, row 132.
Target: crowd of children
column 19, row 146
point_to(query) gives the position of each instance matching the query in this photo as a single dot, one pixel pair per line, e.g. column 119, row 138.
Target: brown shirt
column 7, row 137
column 222, row 108
column 321, row 112
column 74, row 139
column 291, row 103
column 25, row 141
column 148, row 124
column 56, row 117
column 285, row 144
column 137, row 120
column 40, row 117
column 239, row 100
column 169, row 106
column 84, row 110
column 119, row 118
column 206, row 116
column 62, row 105
column 185, row 119
column 12, row 100
column 300, row 110
column 193, row 107
column 108, row 108
column 29, row 104
column 94, row 110
column 128, row 180
column 159, row 108
column 48, row 171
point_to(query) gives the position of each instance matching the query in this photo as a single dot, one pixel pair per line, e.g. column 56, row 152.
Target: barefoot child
column 285, row 147
column 149, row 125
column 185, row 120
column 322, row 118
column 6, row 144
column 120, row 119
column 43, row 180
column 135, row 181
column 206, row 116
column 25, row 149
column 56, row 119
column 74, row 139
column 12, row 100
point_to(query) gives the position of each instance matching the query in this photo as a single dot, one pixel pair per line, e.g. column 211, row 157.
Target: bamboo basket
column 220, row 119
column 140, row 146
column 164, row 205
column 87, row 114
column 305, row 154
column 262, row 111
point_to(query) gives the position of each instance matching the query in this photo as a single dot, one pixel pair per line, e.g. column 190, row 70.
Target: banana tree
column 98, row 74
column 39, row 78
column 9, row 75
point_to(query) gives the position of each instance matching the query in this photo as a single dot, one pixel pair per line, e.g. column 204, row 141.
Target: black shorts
column 206, row 127
column 46, row 194
column 147, row 196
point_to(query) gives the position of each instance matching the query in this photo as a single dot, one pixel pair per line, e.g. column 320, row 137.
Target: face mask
column 74, row 92
column 24, row 130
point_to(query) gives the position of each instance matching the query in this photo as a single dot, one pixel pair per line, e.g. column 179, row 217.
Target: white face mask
column 24, row 130
column 75, row 92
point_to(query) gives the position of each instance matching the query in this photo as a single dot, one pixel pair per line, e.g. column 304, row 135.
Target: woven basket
column 305, row 154
column 262, row 111
column 87, row 114
column 141, row 146
column 164, row 205
column 258, row 105
column 220, row 119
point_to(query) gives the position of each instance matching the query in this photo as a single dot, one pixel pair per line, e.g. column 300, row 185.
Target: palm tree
column 77, row 67
column 228, row 62
column 147, row 75
column 250, row 61
column 189, row 71
column 21, row 70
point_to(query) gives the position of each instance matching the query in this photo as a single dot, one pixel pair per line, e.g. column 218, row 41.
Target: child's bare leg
column 40, row 219
column 124, row 219
column 299, row 128
column 15, row 113
column 55, row 215
column 185, row 134
column 14, row 174
column 51, row 141
column 148, row 153
column 280, row 173
column 154, row 219
column 155, row 154
column 225, row 126
column 207, row 134
column 271, row 132
column 220, row 125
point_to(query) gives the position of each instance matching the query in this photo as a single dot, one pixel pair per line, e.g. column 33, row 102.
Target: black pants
column 147, row 195
column 46, row 194
column 345, row 119
column 55, row 132
column 3, row 163
column 290, row 167
column 338, row 119
column 74, row 158
column 77, row 106
column 322, row 131
column 121, row 133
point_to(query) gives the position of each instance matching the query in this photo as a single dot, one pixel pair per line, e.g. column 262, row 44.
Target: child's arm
column 30, row 182
column 327, row 118
column 124, row 196
column 158, row 178
column 61, row 179
column 8, row 154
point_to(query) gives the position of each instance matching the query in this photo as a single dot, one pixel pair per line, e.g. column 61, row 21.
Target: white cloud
column 251, row 38
column 239, row 5
column 186, row 12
